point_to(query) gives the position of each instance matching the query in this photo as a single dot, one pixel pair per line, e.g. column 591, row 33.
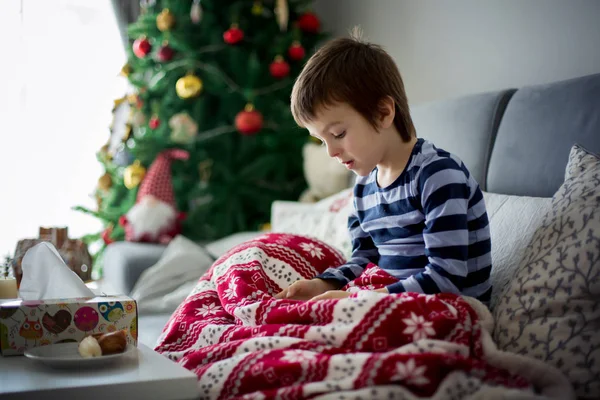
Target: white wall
column 450, row 48
column 58, row 78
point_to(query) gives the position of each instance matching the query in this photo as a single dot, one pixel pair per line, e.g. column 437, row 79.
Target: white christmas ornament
column 283, row 13
column 196, row 12
column 183, row 128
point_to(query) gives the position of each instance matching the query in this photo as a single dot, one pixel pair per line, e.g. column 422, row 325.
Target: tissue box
column 29, row 323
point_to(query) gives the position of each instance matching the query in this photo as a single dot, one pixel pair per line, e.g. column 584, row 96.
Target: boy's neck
column 395, row 159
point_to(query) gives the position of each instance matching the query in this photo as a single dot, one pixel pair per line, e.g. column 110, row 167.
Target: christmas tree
column 212, row 78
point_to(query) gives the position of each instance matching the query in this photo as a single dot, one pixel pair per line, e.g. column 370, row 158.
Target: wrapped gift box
column 29, row 323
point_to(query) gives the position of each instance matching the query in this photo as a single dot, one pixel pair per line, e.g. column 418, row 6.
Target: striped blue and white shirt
column 429, row 228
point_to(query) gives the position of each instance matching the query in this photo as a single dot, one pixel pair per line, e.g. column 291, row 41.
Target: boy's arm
column 444, row 190
column 364, row 252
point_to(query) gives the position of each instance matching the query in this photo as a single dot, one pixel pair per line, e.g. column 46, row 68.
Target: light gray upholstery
column 124, row 262
column 464, row 126
column 540, row 125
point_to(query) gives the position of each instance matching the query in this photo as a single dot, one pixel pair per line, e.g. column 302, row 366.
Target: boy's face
column 349, row 137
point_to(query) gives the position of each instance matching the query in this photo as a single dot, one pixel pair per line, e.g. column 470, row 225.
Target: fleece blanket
column 242, row 343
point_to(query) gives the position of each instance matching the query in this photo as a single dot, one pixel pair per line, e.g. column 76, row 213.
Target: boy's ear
column 387, row 112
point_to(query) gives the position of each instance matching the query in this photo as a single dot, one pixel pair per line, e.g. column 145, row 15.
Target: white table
column 143, row 374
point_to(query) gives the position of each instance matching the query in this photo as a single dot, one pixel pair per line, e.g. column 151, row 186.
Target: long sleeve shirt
column 429, row 228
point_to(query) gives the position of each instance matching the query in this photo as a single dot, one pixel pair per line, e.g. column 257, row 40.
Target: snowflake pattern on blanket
column 243, row 343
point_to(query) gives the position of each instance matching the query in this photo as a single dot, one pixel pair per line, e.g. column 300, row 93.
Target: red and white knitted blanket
column 243, row 343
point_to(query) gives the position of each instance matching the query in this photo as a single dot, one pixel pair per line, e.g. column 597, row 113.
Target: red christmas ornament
column 165, row 53
column 106, row 236
column 233, row 35
column 296, row 51
column 279, row 68
column 308, row 22
column 154, row 122
column 141, row 47
column 249, row 121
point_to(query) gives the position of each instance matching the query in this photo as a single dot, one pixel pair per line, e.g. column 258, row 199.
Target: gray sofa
column 514, row 141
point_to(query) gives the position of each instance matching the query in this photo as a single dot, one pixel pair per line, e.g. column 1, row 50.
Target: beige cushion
column 513, row 221
column 326, row 220
column 550, row 310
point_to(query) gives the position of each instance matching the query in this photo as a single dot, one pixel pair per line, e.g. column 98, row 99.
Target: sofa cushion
column 326, row 220
column 540, row 125
column 464, row 126
column 159, row 288
column 550, row 310
column 124, row 262
column 513, row 221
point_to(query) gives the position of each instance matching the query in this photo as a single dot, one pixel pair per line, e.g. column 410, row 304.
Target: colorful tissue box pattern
column 29, row 323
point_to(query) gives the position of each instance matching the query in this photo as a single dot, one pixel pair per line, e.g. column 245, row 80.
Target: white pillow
column 219, row 247
column 513, row 221
column 326, row 220
column 162, row 287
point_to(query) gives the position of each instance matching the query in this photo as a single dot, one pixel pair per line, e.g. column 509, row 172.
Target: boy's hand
column 340, row 294
column 305, row 289
column 331, row 294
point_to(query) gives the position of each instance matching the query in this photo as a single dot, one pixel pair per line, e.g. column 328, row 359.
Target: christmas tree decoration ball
column 105, row 182
column 233, row 35
column 165, row 53
column 188, row 86
column 134, row 174
column 309, row 23
column 296, row 52
column 123, row 158
column 165, row 20
column 279, row 68
column 141, row 47
column 249, row 121
column 257, row 8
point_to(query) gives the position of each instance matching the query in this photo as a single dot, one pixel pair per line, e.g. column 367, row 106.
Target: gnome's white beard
column 150, row 216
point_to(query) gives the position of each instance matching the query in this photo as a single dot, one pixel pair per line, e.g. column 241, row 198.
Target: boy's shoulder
column 431, row 158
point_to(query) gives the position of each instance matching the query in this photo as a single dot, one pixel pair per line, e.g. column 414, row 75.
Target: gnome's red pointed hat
column 157, row 181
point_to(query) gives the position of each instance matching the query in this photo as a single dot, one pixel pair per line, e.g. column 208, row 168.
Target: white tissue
column 46, row 276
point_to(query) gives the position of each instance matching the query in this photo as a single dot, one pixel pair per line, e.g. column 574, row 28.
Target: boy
column 418, row 213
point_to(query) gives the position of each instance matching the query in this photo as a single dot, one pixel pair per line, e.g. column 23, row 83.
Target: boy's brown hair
column 349, row 70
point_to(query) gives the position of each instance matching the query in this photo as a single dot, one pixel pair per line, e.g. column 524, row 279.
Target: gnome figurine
column 154, row 217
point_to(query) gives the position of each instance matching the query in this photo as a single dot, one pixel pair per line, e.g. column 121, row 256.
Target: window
column 59, row 68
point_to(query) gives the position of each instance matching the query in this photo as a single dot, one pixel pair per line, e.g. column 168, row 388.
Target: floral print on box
column 551, row 310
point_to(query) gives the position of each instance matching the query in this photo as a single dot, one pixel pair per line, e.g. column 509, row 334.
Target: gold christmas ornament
column 282, row 12
column 165, row 20
column 134, row 174
column 188, row 86
column 257, row 8
column 126, row 70
column 126, row 133
column 105, row 182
